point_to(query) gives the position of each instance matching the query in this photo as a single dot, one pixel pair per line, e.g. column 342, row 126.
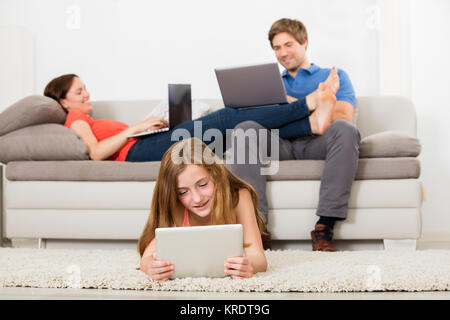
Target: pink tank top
column 186, row 218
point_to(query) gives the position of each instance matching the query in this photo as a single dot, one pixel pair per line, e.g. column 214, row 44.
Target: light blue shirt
column 307, row 81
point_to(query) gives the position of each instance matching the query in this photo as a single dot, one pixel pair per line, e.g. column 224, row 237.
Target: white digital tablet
column 199, row 251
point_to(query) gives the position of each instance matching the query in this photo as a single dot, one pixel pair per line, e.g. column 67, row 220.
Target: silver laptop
column 199, row 251
column 180, row 108
column 251, row 86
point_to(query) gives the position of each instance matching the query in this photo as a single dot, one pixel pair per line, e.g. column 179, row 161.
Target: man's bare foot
column 332, row 82
column 321, row 118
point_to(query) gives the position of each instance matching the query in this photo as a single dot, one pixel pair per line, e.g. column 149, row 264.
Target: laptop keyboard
column 147, row 132
column 157, row 130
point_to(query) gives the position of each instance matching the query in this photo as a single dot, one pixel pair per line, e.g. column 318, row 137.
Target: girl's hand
column 159, row 270
column 239, row 267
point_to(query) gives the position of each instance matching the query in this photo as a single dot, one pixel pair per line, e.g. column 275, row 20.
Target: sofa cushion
column 30, row 111
column 382, row 168
column 389, row 144
column 375, row 168
column 82, row 170
column 355, row 114
column 42, row 142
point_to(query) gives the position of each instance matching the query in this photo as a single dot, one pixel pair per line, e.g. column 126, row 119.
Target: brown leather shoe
column 321, row 238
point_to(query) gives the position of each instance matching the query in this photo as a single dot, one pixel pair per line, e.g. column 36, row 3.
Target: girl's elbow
column 261, row 265
column 264, row 266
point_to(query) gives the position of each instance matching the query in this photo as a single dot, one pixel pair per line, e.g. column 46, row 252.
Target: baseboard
column 435, row 236
column 342, row 245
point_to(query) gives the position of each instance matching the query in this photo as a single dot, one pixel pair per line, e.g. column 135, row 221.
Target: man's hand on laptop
column 291, row 99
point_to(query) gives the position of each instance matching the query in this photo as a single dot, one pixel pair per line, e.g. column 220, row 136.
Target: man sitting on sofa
column 338, row 146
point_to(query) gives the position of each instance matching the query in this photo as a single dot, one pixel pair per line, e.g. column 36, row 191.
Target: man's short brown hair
column 294, row 27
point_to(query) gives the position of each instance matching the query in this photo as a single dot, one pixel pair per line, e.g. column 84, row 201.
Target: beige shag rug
column 288, row 270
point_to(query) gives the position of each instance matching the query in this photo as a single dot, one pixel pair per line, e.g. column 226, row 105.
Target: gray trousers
column 338, row 146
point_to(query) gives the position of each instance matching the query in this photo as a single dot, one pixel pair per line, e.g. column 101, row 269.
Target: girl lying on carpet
column 199, row 190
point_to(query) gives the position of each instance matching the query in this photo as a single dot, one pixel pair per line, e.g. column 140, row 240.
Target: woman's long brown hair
column 165, row 200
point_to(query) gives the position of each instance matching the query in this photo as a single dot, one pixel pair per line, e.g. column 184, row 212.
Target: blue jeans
column 291, row 119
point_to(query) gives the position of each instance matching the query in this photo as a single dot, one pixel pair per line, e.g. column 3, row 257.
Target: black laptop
column 180, row 108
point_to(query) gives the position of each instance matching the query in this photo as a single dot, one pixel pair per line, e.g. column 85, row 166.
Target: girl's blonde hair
column 165, row 200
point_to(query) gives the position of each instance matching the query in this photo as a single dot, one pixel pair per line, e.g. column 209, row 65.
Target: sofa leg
column 408, row 244
column 6, row 243
column 42, row 243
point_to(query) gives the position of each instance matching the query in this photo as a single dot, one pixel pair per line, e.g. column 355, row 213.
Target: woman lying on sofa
column 197, row 189
column 109, row 140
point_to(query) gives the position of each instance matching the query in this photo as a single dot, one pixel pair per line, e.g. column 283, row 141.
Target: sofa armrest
column 389, row 144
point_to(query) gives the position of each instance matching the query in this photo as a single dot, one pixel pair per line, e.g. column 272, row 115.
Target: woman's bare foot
column 332, row 83
column 321, row 118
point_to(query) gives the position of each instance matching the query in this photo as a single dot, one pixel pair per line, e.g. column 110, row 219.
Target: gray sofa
column 87, row 200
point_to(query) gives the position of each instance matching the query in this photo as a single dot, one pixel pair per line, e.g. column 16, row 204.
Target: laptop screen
column 251, row 85
column 180, row 104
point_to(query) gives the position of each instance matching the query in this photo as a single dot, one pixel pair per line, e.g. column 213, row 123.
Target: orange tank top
column 186, row 218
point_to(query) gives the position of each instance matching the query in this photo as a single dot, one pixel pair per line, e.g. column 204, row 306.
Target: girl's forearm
column 147, row 256
column 145, row 262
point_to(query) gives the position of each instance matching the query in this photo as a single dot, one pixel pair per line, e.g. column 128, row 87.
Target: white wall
column 131, row 49
column 430, row 57
column 394, row 47
column 17, row 64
